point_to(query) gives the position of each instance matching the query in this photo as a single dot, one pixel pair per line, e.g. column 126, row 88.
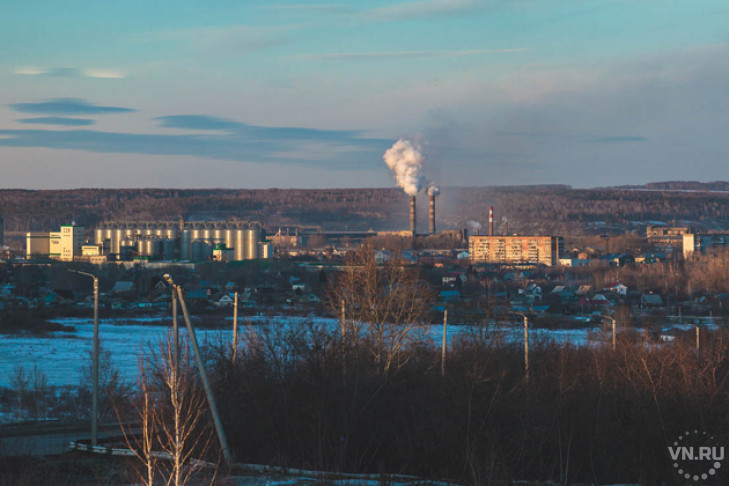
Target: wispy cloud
column 321, row 7
column 69, row 72
column 236, row 38
column 623, row 139
column 367, row 56
column 424, row 8
column 252, row 132
column 67, row 106
column 58, row 120
column 197, row 122
column 340, row 149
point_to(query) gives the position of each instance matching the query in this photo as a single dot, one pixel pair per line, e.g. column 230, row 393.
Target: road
column 43, row 440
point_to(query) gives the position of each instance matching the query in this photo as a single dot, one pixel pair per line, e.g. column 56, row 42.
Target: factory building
column 665, row 235
column 544, row 250
column 183, row 240
column 701, row 242
column 65, row 245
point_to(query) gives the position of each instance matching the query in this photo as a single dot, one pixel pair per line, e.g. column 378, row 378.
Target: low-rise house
column 621, row 260
column 617, row 288
column 584, row 290
column 595, row 300
column 225, row 300
column 122, row 287
column 651, row 300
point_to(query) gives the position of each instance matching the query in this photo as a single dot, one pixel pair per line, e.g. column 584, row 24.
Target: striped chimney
column 491, row 221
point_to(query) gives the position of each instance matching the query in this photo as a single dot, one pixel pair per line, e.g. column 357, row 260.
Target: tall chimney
column 412, row 215
column 491, row 221
column 431, row 215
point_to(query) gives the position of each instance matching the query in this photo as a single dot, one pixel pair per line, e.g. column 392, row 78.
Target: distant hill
column 690, row 185
column 682, row 186
column 544, row 209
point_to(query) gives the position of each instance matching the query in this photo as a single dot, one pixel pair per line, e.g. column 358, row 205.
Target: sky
column 239, row 94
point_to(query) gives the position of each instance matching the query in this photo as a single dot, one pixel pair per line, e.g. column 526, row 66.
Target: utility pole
column 443, row 346
column 203, row 375
column 235, row 326
column 204, row 378
column 95, row 367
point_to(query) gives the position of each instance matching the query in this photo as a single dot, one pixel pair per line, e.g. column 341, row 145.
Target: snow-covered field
column 62, row 355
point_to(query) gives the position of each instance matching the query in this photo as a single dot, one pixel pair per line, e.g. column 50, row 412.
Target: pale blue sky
column 310, row 94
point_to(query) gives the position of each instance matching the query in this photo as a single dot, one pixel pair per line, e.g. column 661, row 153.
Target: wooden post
column 235, row 327
column 443, row 346
column 614, row 336
column 342, row 321
column 698, row 338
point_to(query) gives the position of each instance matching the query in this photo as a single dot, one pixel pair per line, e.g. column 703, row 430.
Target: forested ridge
column 528, row 209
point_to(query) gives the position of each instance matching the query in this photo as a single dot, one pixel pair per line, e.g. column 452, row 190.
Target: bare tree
column 185, row 432
column 383, row 300
column 20, row 382
column 39, row 390
column 113, row 389
column 175, row 436
column 145, row 415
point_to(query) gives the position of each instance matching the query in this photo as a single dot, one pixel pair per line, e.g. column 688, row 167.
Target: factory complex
column 153, row 240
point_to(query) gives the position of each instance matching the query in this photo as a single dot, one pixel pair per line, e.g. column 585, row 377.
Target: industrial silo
column 251, row 239
column 201, row 251
column 98, row 236
column 117, row 236
column 141, row 249
column 207, row 235
column 185, row 242
column 229, row 235
column 217, row 236
column 168, row 248
column 239, row 245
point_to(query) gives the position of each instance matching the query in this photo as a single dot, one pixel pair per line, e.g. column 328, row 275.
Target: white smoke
column 474, row 225
column 406, row 161
column 433, row 190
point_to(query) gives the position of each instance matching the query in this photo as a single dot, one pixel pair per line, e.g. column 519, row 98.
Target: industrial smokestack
column 412, row 215
column 491, row 221
column 433, row 191
column 431, row 215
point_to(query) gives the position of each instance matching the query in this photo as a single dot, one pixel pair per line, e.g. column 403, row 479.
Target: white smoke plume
column 406, row 161
column 474, row 225
column 433, row 190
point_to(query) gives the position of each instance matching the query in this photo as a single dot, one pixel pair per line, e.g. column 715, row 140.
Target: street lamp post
column 95, row 368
